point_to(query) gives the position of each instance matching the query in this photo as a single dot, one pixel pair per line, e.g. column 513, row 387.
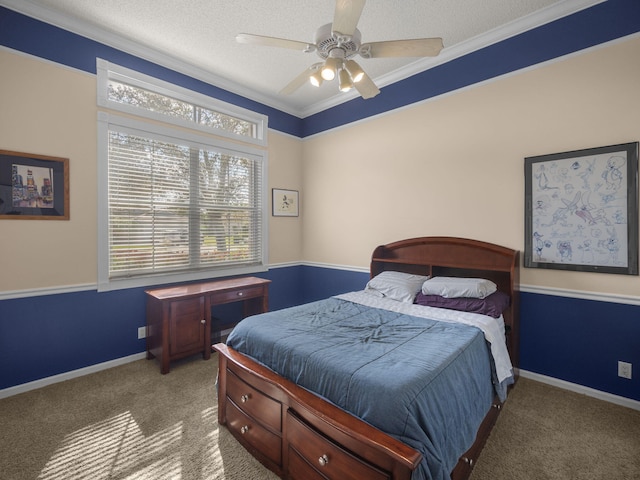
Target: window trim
column 107, row 121
column 109, row 71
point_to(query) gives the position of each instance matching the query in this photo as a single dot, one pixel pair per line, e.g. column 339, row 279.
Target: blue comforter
column 426, row 383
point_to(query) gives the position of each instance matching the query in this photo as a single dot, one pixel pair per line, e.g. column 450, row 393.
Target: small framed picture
column 285, row 203
column 33, row 187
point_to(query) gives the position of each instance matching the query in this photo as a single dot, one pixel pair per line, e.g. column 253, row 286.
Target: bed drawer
column 246, row 428
column 254, row 403
column 299, row 468
column 323, row 457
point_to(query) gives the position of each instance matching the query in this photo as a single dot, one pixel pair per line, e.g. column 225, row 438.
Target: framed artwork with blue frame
column 581, row 210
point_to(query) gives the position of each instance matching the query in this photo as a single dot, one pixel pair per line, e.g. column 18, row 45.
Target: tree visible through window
column 165, row 105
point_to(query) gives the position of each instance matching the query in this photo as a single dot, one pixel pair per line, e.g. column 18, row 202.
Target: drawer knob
column 244, row 398
column 244, row 429
column 240, row 294
column 323, row 460
column 203, row 321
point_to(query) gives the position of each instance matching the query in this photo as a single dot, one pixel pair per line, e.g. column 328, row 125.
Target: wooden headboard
column 459, row 257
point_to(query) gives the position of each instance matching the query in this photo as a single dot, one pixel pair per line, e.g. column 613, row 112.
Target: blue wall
column 53, row 334
column 47, row 335
column 579, row 341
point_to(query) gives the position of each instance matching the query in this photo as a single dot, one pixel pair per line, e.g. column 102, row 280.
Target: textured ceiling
column 197, row 37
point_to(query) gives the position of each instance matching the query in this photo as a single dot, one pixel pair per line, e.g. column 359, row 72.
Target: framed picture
column 285, row 203
column 33, row 187
column 581, row 210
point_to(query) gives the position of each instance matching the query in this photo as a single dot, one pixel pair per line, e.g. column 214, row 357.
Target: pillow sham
column 454, row 287
column 493, row 304
column 399, row 286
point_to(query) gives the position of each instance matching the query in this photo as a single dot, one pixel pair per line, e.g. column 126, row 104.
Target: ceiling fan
column 337, row 43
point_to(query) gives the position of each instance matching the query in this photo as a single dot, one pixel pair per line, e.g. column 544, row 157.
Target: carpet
column 132, row 423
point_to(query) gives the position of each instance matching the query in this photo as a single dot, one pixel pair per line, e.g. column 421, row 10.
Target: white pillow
column 455, row 287
column 399, row 286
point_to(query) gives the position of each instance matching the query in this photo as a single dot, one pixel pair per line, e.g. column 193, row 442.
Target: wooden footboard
column 298, row 435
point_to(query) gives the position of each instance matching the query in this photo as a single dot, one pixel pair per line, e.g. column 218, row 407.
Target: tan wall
column 455, row 165
column 450, row 166
column 285, row 171
column 51, row 110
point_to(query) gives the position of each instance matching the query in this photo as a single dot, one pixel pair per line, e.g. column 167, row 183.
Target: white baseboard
column 590, row 392
column 43, row 382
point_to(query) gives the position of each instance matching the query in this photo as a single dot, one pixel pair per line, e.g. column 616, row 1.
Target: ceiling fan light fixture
column 337, row 43
column 316, row 79
column 354, row 70
column 330, row 68
column 345, row 80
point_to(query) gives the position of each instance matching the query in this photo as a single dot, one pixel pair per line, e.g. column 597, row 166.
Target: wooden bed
column 298, row 435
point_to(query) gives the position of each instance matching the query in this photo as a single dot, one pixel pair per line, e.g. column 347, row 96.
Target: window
column 177, row 205
column 131, row 92
column 153, row 102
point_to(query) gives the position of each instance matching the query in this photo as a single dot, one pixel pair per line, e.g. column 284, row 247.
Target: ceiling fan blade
column 300, row 80
column 419, row 47
column 366, row 88
column 346, row 16
column 274, row 42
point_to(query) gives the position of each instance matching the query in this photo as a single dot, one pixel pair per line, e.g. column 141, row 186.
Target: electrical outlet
column 142, row 332
column 624, row 370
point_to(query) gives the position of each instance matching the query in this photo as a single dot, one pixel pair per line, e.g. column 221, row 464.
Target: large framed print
column 33, row 187
column 581, row 210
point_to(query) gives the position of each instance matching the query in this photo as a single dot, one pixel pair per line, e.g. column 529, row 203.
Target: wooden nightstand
column 179, row 318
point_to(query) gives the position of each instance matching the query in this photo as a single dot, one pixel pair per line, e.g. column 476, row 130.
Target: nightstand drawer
column 254, row 403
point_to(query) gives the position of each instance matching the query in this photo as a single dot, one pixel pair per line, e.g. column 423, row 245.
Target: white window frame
column 110, row 71
column 107, row 121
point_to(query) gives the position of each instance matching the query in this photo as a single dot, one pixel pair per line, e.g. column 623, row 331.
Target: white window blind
column 177, row 206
